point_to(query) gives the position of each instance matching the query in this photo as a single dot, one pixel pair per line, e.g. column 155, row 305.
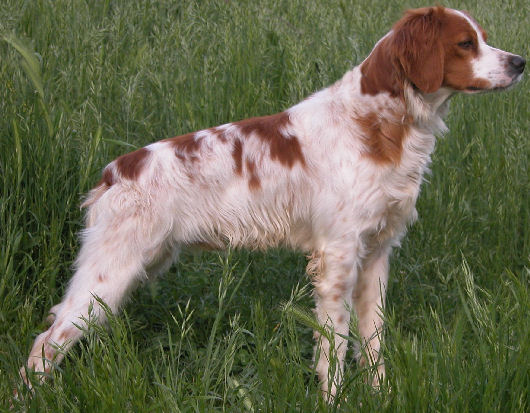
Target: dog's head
column 435, row 47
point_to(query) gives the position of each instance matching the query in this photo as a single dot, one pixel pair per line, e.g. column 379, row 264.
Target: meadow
column 83, row 82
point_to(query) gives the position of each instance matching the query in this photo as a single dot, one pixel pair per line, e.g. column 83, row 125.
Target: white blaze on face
column 491, row 64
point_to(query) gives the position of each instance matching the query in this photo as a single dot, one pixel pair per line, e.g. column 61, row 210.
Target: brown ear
column 418, row 50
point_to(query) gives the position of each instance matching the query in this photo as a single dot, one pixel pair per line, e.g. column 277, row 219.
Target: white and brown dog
column 337, row 176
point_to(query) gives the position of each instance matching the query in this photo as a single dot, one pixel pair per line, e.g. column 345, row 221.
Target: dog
column 336, row 176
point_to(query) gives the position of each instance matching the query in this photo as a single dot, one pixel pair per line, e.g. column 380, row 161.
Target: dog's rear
column 241, row 184
column 336, row 176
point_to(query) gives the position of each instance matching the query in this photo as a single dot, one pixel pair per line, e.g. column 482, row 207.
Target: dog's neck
column 425, row 110
column 428, row 109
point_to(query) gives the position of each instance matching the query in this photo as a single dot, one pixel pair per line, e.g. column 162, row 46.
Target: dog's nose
column 517, row 64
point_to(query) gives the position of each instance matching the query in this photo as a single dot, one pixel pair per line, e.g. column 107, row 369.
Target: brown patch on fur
column 412, row 52
column 185, row 144
column 340, row 319
column 284, row 147
column 107, row 178
column 180, row 156
column 462, row 82
column 378, row 72
column 481, row 30
column 130, row 165
column 219, row 134
column 254, row 182
column 383, row 137
column 237, row 154
column 101, row 278
column 418, row 49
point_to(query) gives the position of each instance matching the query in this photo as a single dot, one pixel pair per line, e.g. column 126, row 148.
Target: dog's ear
column 418, row 50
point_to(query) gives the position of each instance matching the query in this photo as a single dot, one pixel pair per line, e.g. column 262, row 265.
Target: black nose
column 517, row 64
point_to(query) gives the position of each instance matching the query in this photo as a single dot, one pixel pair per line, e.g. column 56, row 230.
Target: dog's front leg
column 368, row 300
column 335, row 274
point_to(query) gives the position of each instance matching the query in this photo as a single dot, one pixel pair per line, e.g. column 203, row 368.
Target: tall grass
column 86, row 81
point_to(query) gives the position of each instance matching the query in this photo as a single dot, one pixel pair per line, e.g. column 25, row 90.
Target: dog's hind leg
column 124, row 238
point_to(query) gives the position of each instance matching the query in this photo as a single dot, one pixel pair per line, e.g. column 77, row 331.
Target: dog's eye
column 468, row 44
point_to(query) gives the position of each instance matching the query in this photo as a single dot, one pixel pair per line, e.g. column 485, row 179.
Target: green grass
column 86, row 81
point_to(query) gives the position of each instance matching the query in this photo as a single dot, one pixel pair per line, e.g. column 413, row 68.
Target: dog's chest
column 387, row 200
column 395, row 209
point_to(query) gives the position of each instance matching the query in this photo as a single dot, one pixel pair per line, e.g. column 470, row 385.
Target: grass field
column 83, row 82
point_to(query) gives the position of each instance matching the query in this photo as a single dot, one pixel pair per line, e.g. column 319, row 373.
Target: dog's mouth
column 476, row 89
column 473, row 89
